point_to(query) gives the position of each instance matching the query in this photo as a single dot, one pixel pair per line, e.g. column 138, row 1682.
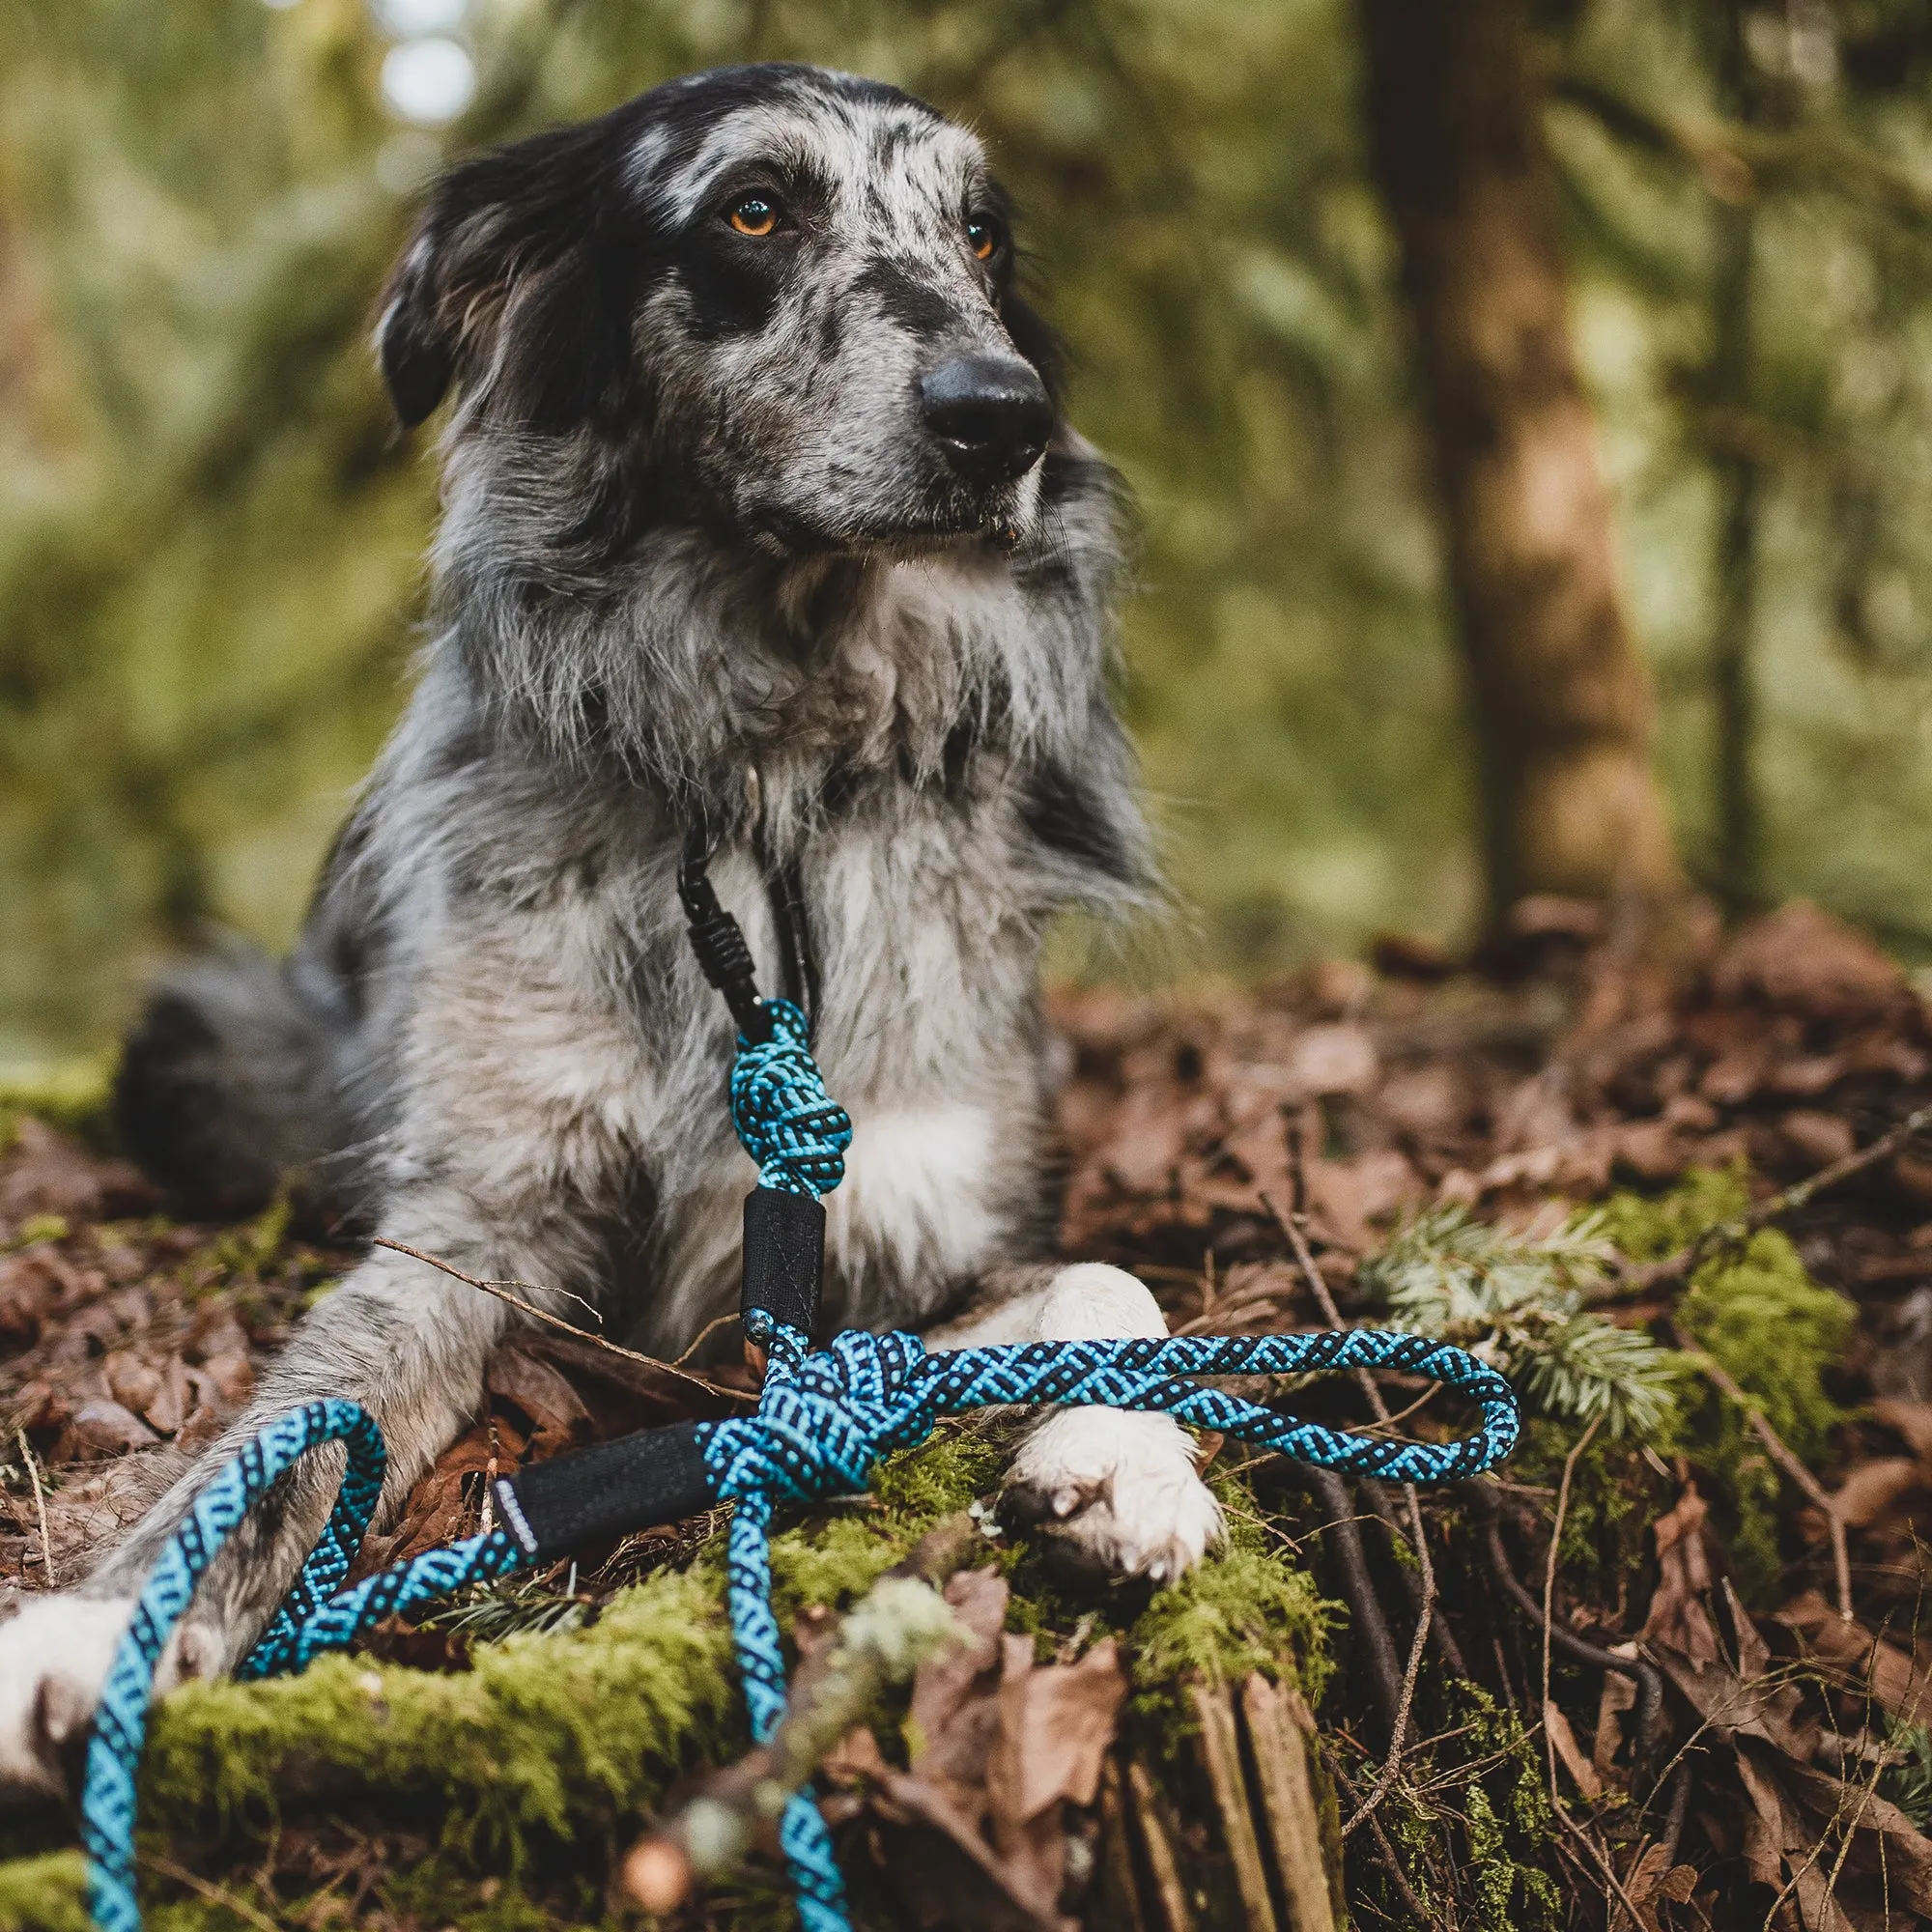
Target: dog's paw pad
column 1116, row 1492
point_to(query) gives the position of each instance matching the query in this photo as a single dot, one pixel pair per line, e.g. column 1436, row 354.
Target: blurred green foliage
column 211, row 539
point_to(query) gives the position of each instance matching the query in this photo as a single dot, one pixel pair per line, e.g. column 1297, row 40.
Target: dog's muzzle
column 989, row 414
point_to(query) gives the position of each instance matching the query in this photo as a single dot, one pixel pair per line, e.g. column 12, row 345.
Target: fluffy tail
column 232, row 1080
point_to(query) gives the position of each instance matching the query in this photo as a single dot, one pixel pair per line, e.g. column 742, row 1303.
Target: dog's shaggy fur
column 782, row 529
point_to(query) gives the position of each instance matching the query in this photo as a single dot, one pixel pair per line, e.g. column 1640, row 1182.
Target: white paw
column 1116, row 1492
column 54, row 1658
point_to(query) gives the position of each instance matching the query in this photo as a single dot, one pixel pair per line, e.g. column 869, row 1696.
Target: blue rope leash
column 824, row 1420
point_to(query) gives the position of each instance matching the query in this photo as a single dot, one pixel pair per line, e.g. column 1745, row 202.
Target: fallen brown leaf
column 542, row 1393
column 1875, row 1489
column 101, row 1429
column 1056, row 1722
column 1579, row 1767
column 1679, row 1616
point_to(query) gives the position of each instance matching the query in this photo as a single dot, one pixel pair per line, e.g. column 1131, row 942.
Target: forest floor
column 1669, row 1670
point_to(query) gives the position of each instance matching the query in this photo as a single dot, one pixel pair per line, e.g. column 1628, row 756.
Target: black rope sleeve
column 591, row 1495
column 784, row 1259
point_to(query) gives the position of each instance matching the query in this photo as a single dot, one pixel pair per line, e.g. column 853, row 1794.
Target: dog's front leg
column 1115, row 1489
column 406, row 1341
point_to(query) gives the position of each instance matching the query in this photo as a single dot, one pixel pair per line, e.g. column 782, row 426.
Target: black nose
column 990, row 414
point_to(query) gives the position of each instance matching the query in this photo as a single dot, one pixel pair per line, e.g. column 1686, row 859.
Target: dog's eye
column 983, row 236
column 753, row 215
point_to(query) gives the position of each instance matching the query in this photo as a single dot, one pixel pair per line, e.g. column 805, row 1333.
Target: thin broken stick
column 207, row 1890
column 1638, row 1280
column 40, row 1504
column 1569, row 1462
column 705, row 1333
column 501, row 1290
column 1419, row 1914
column 881, row 1640
column 1775, row 1447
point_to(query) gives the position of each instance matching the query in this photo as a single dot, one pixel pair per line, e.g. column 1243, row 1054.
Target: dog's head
column 770, row 298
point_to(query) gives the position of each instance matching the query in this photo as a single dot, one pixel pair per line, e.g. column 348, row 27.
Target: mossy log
column 522, row 1775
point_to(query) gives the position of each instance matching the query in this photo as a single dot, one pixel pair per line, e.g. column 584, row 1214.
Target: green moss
column 44, row 1894
column 543, row 1731
column 830, row 1562
column 1771, row 1327
column 74, row 1096
column 1762, row 1316
column 1506, row 1822
column 255, row 1246
column 1251, row 1609
column 38, row 1228
column 1648, row 1228
column 533, row 1764
column 1615, row 1494
column 410, row 1887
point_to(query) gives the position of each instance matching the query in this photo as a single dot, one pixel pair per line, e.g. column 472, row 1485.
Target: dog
column 759, row 514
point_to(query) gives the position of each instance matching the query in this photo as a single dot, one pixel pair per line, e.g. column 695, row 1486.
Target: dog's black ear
column 413, row 339
column 517, row 269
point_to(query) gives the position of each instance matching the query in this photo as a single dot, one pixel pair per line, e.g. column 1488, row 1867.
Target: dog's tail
column 226, row 1084
column 245, row 1072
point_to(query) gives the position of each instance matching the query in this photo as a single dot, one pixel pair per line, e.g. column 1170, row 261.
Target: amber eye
column 754, row 216
column 983, row 236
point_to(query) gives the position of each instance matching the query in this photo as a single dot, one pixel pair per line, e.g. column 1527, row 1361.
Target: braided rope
column 121, row 1719
column 823, row 1421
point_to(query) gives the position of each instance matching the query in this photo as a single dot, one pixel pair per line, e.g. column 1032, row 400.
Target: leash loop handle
column 108, row 1795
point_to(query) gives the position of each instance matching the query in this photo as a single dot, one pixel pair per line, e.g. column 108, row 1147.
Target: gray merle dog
column 759, row 513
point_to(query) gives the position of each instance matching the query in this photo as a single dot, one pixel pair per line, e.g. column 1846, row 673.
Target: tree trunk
column 1560, row 703
column 1740, row 476
column 1738, row 463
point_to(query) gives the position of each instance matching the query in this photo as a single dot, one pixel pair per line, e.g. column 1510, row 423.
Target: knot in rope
column 794, row 1130
column 824, row 1419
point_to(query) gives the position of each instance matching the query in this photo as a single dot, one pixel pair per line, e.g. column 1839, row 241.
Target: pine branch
column 1517, row 1302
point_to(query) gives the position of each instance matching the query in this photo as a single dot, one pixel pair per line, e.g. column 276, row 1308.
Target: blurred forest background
column 211, row 538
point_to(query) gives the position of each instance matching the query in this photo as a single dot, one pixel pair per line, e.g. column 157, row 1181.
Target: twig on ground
column 1676, row 1810
column 1385, row 1851
column 1358, row 1590
column 1636, row 1282
column 40, row 1503
column 1357, row 1586
column 1569, row 1461
column 898, row 1623
column 501, row 1290
column 207, row 1890
column 1775, row 1447
column 1447, row 1649
column 1649, row 1685
column 1547, row 1617
column 705, row 1333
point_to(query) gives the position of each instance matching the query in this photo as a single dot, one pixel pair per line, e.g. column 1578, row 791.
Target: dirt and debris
column 1639, row 1699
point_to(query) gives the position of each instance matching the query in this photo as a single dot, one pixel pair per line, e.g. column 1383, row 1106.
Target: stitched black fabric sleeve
column 658, row 1475
column 784, row 1253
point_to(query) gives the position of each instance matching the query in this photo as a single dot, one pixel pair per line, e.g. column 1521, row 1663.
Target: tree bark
column 1739, row 468
column 1560, row 702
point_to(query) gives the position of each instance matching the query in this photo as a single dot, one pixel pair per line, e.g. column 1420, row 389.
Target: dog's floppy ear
column 415, row 338
column 514, row 270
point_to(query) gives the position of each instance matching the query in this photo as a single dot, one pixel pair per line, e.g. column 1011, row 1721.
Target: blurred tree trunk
column 1561, row 702
column 1737, row 462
